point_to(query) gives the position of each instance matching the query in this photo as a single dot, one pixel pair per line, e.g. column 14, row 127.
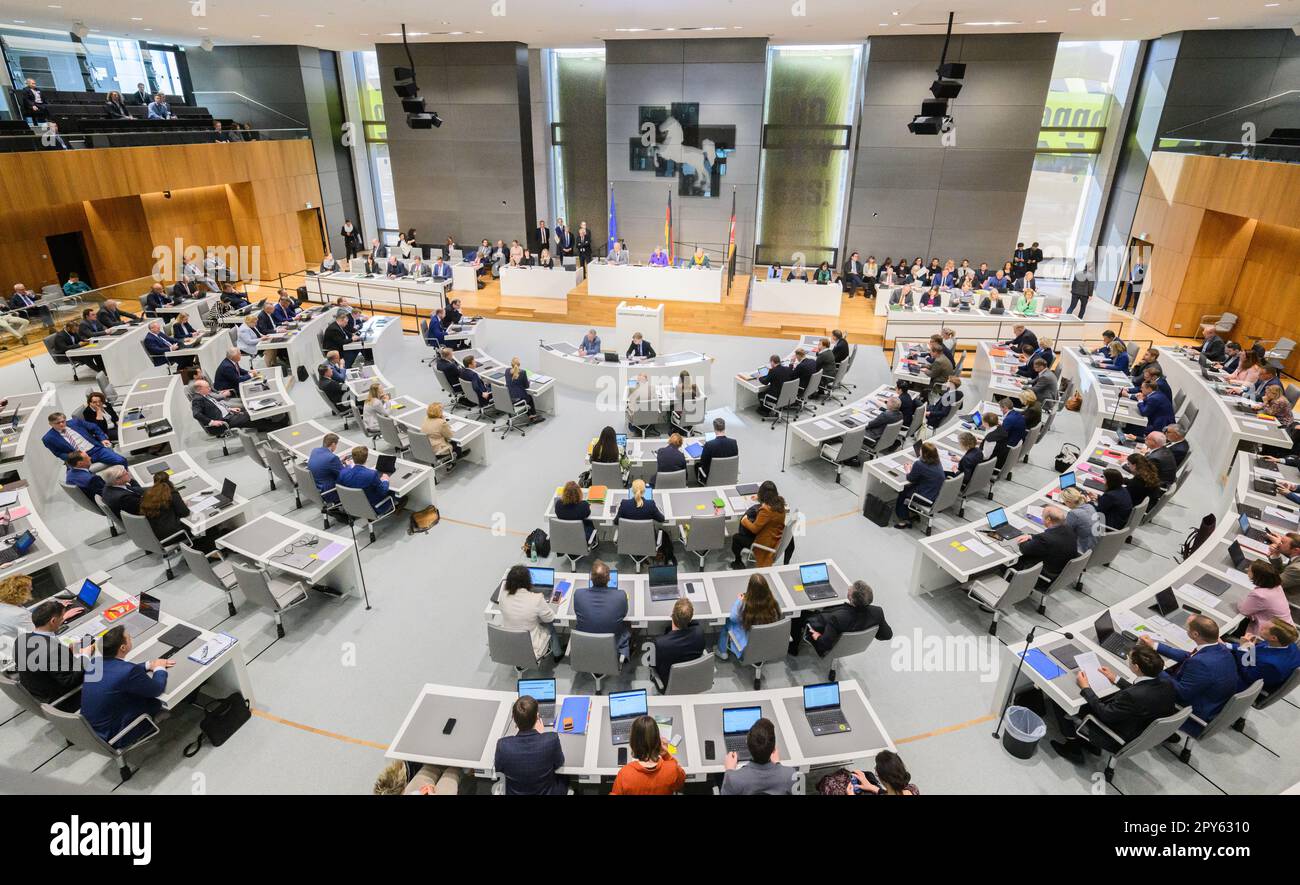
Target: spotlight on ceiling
column 417, row 116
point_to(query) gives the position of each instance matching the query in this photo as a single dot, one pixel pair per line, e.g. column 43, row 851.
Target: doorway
column 311, row 228
column 68, row 255
column 1133, row 273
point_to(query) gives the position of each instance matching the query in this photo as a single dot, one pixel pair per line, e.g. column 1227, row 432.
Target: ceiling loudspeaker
column 417, row 116
column 206, row 45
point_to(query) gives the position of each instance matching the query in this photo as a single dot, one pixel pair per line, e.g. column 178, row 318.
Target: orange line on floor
column 947, row 729
column 479, row 525
column 262, row 714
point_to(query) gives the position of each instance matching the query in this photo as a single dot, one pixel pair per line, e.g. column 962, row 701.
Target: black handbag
column 221, row 718
column 1066, row 457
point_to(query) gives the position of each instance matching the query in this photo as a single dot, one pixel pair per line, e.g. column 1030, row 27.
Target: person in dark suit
column 1155, row 407
column 1055, row 546
column 66, row 339
column 564, row 242
column 541, row 236
column 230, row 374
column 183, row 289
column 213, row 415
column 46, row 667
column 32, row 103
column 333, row 389
column 684, row 641
column 996, row 436
column 840, row 349
column 851, row 274
column 670, row 458
column 285, row 309
column 121, row 493
column 1205, row 677
column 640, row 347
column 67, row 435
column 972, row 456
column 164, row 507
column 599, row 608
column 777, row 374
column 584, row 245
column 571, row 506
column 906, row 404
column 141, row 97
column 1013, row 421
column 394, row 268
column 721, row 446
column 115, row 107
column 1126, row 712
column 1177, row 444
column 78, row 473
column 372, row 482
column 337, row 337
column 90, row 326
column 637, row 506
column 825, row 359
column 1023, row 337
column 1158, row 454
column 124, row 690
column 804, row 367
column 182, row 329
column 824, row 627
column 891, row 414
column 325, row 467
column 373, row 266
column 266, row 321
column 924, row 478
column 1115, row 504
column 25, row 304
column 530, row 759
column 158, row 344
column 469, row 372
column 450, row 369
column 1212, row 347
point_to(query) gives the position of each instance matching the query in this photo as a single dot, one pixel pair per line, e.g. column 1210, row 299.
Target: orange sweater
column 767, row 527
column 664, row 779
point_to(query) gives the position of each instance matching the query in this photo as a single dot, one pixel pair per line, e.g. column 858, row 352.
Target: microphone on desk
column 1011, row 689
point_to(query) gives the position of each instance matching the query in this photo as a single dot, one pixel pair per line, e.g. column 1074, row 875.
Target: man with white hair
column 23, row 303
column 1158, row 454
column 111, row 314
column 1212, row 348
column 13, row 322
column 213, row 415
column 1054, row 547
column 1177, row 446
column 159, row 344
column 230, row 374
column 892, row 414
column 121, row 492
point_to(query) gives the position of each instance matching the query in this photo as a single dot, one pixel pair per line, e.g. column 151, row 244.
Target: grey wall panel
column 646, row 52
column 908, row 207
column 986, row 209
column 720, row 83
column 723, row 49
column 885, row 167
column 643, row 83
column 974, row 169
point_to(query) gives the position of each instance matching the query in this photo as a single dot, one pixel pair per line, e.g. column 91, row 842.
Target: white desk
column 995, row 372
column 194, row 307
column 539, row 282
column 195, row 484
column 472, row 436
column 21, row 448
column 267, row 397
column 209, row 350
column 47, row 553
column 300, row 340
column 423, row 295
column 483, row 716
column 122, row 352
column 1100, row 391
column 268, row 540
column 382, row 336
column 464, row 277
column 798, row 296
column 662, row 283
column 540, row 386
column 149, row 401
column 411, row 481
column 808, row 435
column 562, row 360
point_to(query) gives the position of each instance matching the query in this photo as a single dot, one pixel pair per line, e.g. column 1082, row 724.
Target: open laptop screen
column 817, row 697
column 997, row 518
column 623, row 704
column 1068, row 480
column 540, row 690
column 541, row 577
column 739, row 720
column 817, row 573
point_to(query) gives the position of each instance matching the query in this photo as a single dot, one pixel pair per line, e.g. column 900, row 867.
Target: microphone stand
column 365, row 593
column 1011, row 690
column 34, row 374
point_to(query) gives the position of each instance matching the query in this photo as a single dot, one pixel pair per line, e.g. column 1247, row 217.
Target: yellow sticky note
column 128, row 424
column 296, row 433
column 699, row 506
column 961, row 548
column 313, row 556
column 798, row 588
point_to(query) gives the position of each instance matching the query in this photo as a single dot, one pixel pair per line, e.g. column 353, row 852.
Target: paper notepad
column 1202, row 598
column 978, row 547
column 1091, row 667
column 213, row 648
column 823, row 425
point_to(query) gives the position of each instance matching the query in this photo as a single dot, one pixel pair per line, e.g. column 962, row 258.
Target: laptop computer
column 621, row 440
column 821, row 707
column 543, row 580
column 663, row 583
column 542, row 691
column 610, row 356
column 1114, row 641
column 736, row 723
column 1240, row 560
column 87, row 597
column 1000, row 526
column 19, row 548
column 1264, row 486
column 816, row 580
column 386, row 464
column 1211, row 584
column 1167, row 606
column 226, row 496
column 145, row 617
column 1068, row 480
column 624, row 708
column 1243, row 522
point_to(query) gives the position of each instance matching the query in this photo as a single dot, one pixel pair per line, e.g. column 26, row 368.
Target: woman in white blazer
column 15, row 619
column 524, row 609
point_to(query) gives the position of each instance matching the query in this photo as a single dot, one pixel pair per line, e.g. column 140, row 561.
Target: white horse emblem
column 699, row 159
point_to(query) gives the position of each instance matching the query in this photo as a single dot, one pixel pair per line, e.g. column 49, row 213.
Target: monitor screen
column 540, row 690
column 88, row 595
column 817, row 573
column 1244, row 522
column 150, row 606
column 621, row 439
column 997, row 517
column 663, row 575
column 1067, row 480
column 541, row 577
column 613, row 577
column 739, row 720
column 627, row 703
column 978, row 419
column 827, row 694
column 386, row 463
column 228, row 489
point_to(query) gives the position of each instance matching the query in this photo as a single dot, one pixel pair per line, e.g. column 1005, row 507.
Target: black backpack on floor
column 538, row 544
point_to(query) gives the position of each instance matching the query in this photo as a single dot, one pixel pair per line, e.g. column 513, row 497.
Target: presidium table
column 561, row 360
column 661, row 283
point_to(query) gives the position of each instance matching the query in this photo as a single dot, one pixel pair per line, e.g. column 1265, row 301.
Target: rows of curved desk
column 425, row 295
column 1100, row 389
column 561, row 360
column 411, row 481
column 198, row 488
column 676, row 505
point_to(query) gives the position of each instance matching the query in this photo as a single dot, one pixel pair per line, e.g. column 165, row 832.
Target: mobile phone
column 451, row 724
column 622, row 755
column 708, row 750
column 676, row 741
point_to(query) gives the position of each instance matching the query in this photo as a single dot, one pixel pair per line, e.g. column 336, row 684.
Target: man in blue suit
column 78, row 474
column 1042, row 352
column 157, row 298
column 325, row 467
column 24, row 303
column 372, row 482
column 1013, row 421
column 158, row 344
column 266, row 321
column 721, row 446
column 441, row 270
column 286, row 309
column 1155, row 407
column 437, row 331
column 1205, row 677
column 530, row 759
column 68, row 435
column 230, row 374
column 123, row 691
column 599, row 608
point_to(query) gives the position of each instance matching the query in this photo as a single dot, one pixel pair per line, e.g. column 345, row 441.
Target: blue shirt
column 1273, row 665
column 589, row 348
column 325, row 468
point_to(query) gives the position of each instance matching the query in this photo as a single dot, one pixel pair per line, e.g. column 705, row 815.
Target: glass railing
column 227, row 105
column 141, row 134
column 1268, row 129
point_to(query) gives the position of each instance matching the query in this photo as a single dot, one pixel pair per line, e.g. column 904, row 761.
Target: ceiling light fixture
column 988, row 24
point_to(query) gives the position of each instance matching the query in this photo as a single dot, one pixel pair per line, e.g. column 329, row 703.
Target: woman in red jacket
column 653, row 771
